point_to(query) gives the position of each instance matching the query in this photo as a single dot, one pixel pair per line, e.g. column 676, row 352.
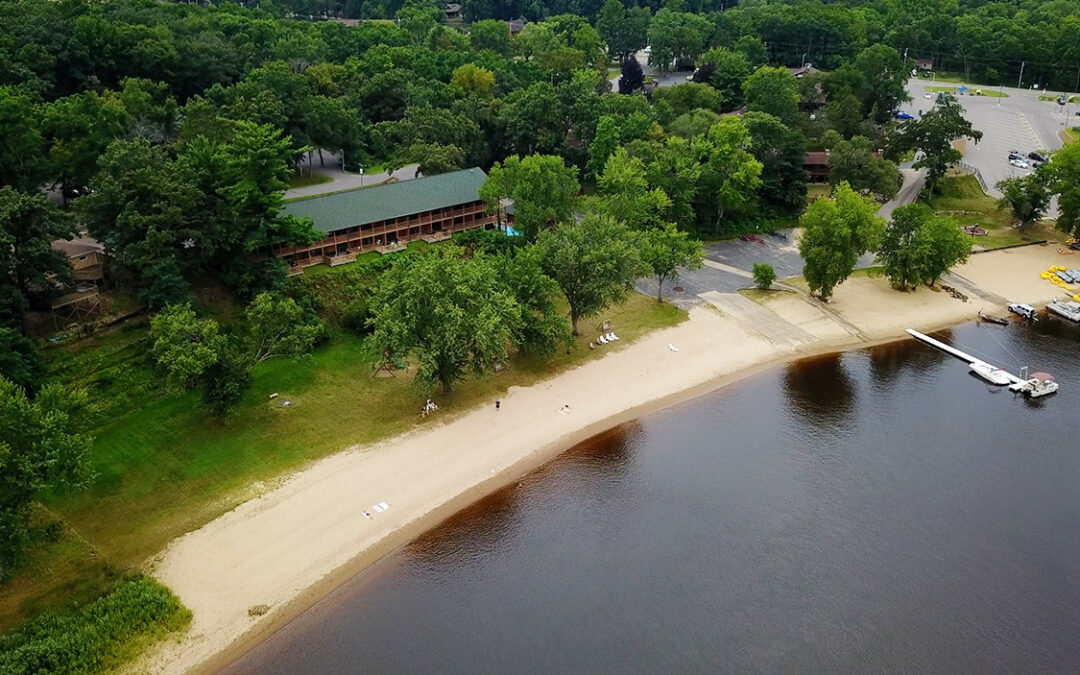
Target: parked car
column 1019, row 163
column 901, row 115
column 1037, row 156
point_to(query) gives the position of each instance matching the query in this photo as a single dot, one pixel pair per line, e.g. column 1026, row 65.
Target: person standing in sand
column 497, row 402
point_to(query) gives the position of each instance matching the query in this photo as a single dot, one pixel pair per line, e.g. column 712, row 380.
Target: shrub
column 764, row 275
column 356, row 315
column 92, row 637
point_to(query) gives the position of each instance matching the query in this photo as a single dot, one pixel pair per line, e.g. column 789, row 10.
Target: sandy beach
column 287, row 548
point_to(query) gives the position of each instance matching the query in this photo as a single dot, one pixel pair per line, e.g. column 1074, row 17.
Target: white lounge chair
column 601, row 340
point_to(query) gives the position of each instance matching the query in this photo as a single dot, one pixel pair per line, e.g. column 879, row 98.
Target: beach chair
column 601, row 340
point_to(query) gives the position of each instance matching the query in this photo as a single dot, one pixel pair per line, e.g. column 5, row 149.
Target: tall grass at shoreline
column 93, row 637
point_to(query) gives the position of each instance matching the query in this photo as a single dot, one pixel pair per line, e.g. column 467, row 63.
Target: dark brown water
column 877, row 511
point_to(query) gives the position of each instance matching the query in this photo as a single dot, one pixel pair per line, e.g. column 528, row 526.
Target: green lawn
column 1073, row 133
column 299, row 180
column 989, row 93
column 166, row 467
column 943, row 76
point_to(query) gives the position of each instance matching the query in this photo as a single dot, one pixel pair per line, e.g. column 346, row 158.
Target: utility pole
column 1019, row 82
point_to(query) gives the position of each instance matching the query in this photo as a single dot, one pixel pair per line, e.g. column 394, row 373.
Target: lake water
column 879, row 510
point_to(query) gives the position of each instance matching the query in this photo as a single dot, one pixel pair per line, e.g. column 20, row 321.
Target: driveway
column 729, row 266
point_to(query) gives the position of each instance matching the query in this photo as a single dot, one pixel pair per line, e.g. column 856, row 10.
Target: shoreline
column 370, row 557
column 261, row 550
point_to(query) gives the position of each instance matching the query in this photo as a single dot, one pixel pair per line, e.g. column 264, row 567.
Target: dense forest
column 983, row 40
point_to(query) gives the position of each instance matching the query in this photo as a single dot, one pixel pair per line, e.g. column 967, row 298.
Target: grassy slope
column 963, row 193
column 166, row 467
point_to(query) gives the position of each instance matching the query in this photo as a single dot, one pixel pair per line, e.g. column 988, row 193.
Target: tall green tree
column 542, row 186
column 77, row 129
column 23, row 157
column 20, row 361
column 595, row 263
column 947, row 246
column 185, row 345
column 729, row 71
column 781, row 151
column 540, row 327
column 919, row 246
column 932, row 136
column 195, row 353
column 277, row 326
column 676, row 170
column 1026, row 198
column 856, row 163
column 449, row 312
column 1064, row 180
column 903, row 249
column 603, row 145
column 624, row 31
column 625, row 195
column 886, row 77
column 666, row 251
column 491, row 35
column 42, row 446
column 836, row 231
column 730, row 176
column 774, row 91
column 29, row 266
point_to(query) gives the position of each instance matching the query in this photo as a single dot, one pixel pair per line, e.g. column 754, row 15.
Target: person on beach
column 497, row 402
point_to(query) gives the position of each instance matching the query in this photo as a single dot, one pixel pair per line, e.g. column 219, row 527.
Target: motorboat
column 1068, row 309
column 1038, row 384
column 991, row 374
column 1025, row 311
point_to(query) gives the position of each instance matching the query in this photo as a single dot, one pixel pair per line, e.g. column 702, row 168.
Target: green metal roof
column 350, row 208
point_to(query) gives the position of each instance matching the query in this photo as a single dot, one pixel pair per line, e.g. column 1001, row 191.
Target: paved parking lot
column 1020, row 122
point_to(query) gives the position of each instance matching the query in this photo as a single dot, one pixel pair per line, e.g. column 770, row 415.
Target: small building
column 86, row 255
column 453, row 10
column 805, row 69
column 516, row 25
column 387, row 217
column 924, row 64
column 817, row 165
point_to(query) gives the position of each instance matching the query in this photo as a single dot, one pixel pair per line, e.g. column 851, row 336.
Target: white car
column 1019, row 163
column 927, row 96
